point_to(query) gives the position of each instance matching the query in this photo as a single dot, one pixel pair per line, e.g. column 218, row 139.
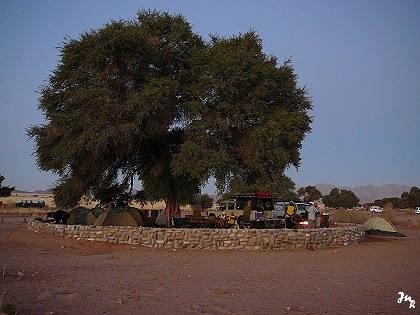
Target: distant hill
column 368, row 194
column 36, row 192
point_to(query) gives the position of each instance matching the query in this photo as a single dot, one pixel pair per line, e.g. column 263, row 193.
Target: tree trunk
column 172, row 210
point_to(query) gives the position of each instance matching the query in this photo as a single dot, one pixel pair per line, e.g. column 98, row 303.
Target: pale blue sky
column 360, row 61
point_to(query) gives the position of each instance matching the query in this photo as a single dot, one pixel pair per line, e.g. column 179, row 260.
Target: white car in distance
column 376, row 209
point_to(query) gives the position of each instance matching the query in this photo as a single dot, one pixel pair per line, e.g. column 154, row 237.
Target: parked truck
column 267, row 211
column 31, row 204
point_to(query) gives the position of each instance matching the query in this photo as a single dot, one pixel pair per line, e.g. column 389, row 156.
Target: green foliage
column 281, row 186
column 68, row 192
column 409, row 199
column 340, row 198
column 309, row 193
column 205, row 201
column 5, row 191
column 394, row 201
column 249, row 125
column 111, row 107
column 202, row 203
column 149, row 100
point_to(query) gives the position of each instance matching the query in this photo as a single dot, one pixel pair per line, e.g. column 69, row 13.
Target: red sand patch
column 46, row 274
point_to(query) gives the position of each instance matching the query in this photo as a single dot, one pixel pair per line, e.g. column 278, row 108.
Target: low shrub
column 24, row 211
column 350, row 216
column 390, row 215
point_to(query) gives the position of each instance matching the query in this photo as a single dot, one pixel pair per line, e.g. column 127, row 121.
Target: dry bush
column 389, row 206
column 25, row 211
column 390, row 215
column 350, row 216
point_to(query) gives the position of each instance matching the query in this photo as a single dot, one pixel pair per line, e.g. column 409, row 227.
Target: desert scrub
column 350, row 216
column 25, row 211
column 389, row 215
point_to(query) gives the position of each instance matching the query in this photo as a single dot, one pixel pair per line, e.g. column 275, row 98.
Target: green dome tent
column 380, row 226
column 81, row 216
column 119, row 217
column 97, row 211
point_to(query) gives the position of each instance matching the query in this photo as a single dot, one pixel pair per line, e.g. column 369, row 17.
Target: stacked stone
column 212, row 239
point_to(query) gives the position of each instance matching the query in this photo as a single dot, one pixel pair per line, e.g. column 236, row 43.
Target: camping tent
column 119, row 217
column 81, row 216
column 378, row 225
column 136, row 214
column 97, row 211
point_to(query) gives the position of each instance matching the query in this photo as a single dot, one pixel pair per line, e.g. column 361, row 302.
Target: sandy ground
column 45, row 274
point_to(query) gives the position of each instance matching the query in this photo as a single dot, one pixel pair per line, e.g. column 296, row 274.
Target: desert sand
column 47, row 274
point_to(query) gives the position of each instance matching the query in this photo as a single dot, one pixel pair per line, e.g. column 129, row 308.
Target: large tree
column 249, row 122
column 410, row 199
column 149, row 100
column 340, row 198
column 114, row 108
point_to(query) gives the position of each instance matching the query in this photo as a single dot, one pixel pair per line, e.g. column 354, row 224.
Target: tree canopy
column 150, row 100
column 5, row 191
column 309, row 193
column 340, row 198
column 202, row 203
column 409, row 199
column 249, row 126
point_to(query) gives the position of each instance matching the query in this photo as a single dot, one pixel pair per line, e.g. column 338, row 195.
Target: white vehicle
column 417, row 210
column 280, row 208
column 376, row 209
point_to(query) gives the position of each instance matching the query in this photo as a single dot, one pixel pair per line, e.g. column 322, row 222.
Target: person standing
column 247, row 213
column 290, row 213
column 312, row 210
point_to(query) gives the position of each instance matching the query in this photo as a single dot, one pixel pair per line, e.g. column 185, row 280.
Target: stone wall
column 251, row 239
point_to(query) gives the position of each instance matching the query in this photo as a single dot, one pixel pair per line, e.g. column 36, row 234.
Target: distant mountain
column 325, row 189
column 36, row 192
column 369, row 193
column 366, row 194
column 44, row 192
